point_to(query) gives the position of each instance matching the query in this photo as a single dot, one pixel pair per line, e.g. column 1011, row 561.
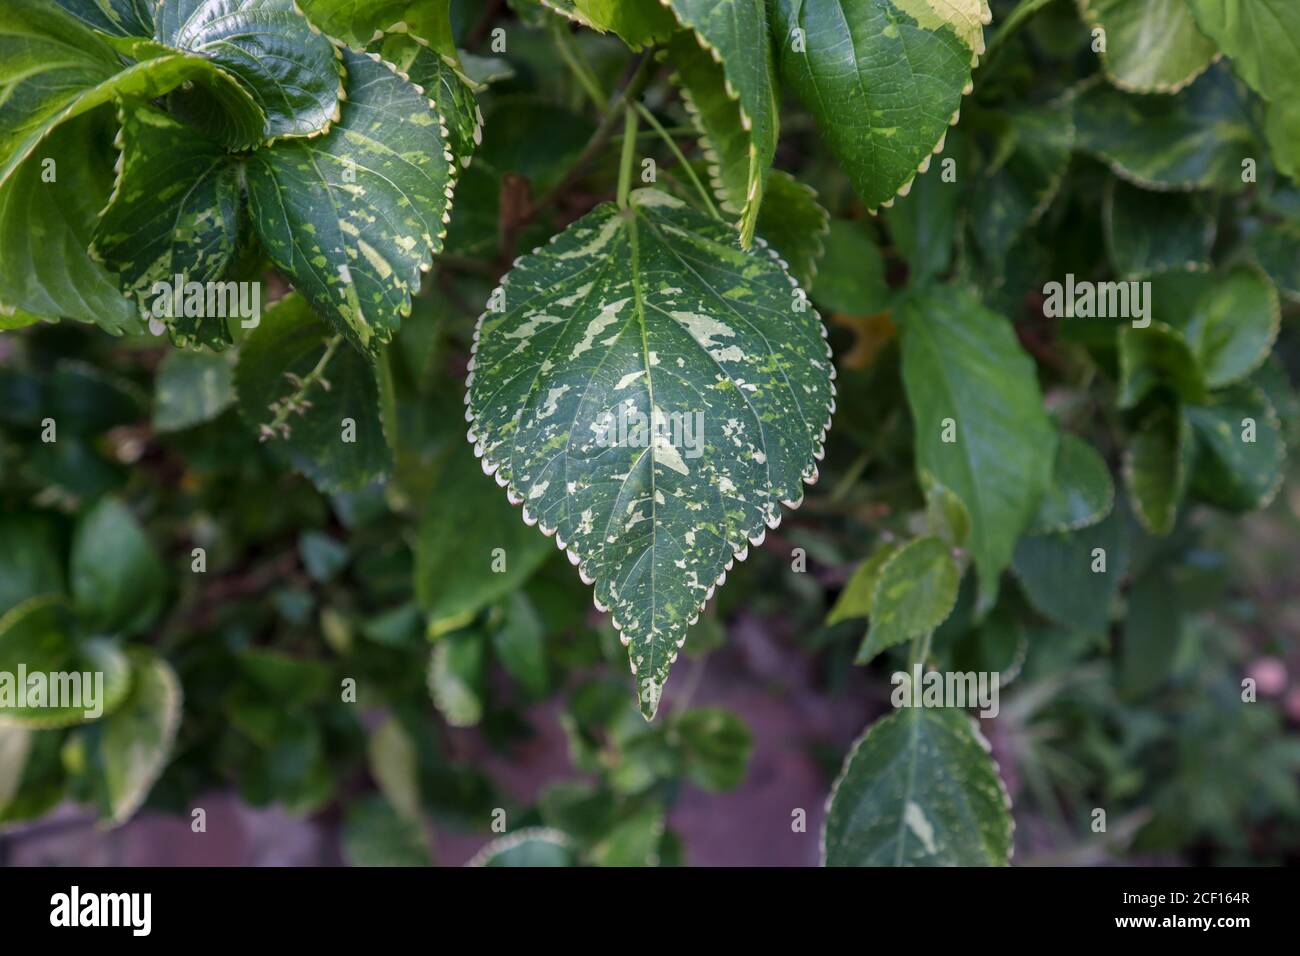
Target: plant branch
column 628, row 156
column 649, row 117
column 297, row 403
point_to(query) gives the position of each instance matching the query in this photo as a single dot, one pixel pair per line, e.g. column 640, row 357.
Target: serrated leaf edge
column 1092, row 22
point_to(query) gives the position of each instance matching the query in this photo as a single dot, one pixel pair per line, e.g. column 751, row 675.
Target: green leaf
column 375, row 834
column 36, row 638
column 946, row 514
column 1155, row 355
column 123, row 18
column 127, row 752
column 192, row 388
column 291, row 70
column 284, row 349
column 471, row 548
column 32, row 779
column 118, row 582
column 439, row 76
column 1194, row 139
column 175, row 211
column 1157, row 464
column 1149, row 232
column 716, row 745
column 638, row 23
column 519, row 644
column 1239, row 449
column 356, row 22
column 923, row 224
column 1152, row 46
column 859, row 592
column 653, row 312
column 723, row 62
column 1261, row 37
column 1274, row 249
column 1232, row 326
column 851, row 278
column 31, row 561
column 1081, row 492
column 394, row 762
column 354, row 217
column 532, row 847
column 883, row 79
column 457, row 672
column 916, row 591
column 1065, row 578
column 967, row 378
column 794, row 224
column 919, row 788
column 1019, row 182
column 46, row 227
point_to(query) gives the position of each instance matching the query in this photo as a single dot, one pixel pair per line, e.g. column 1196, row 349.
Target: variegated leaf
column 124, row 18
column 883, row 78
column 289, row 67
column 440, row 77
column 651, row 394
column 175, row 211
column 355, row 216
column 724, row 64
column 1152, row 46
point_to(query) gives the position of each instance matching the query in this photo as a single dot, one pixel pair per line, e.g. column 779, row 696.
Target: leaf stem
column 920, row 650
column 297, row 402
column 629, row 153
column 649, row 117
column 577, row 66
column 1025, row 10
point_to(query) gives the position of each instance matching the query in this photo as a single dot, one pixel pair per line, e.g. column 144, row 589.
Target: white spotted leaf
column 651, row 394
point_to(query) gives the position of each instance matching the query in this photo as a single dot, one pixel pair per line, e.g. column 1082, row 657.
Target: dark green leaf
column 1152, row 46
column 1157, row 464
column 117, row 580
column 1081, row 492
column 1240, row 454
column 851, row 276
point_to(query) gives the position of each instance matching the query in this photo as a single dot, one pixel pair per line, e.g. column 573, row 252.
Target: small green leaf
column 520, row 646
column 291, row 70
column 916, row 591
column 283, row 351
column 1233, row 326
column 37, row 638
column 356, row 22
column 981, row 429
column 1156, row 355
column 530, row 847
column 794, row 224
column 355, row 216
column 1152, row 46
column 1156, row 469
column 175, row 211
column 919, row 788
column 471, row 548
column 946, row 514
column 32, row 779
column 630, row 321
column 856, row 598
column 851, row 277
column 375, row 834
column 637, row 23
column 117, row 580
column 394, row 762
column 1149, row 232
column 192, row 388
column 724, row 65
column 1081, row 492
column 1067, row 579
column 1194, row 139
column 457, row 672
column 127, row 752
column 716, row 745
column 883, row 79
column 1239, row 449
column 1262, row 39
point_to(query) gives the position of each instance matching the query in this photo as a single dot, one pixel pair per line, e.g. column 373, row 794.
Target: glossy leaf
column 1081, row 492
column 1157, row 355
column 1149, row 232
column 1157, row 466
column 628, row 322
column 919, row 788
column 355, row 216
column 1232, row 326
column 126, row 18
column 883, row 79
column 117, row 580
column 290, row 68
column 968, row 379
column 175, row 211
column 1240, row 452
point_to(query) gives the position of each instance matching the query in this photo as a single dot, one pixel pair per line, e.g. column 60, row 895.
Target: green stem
column 577, row 66
column 283, row 408
column 629, row 154
column 920, row 650
column 649, row 117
